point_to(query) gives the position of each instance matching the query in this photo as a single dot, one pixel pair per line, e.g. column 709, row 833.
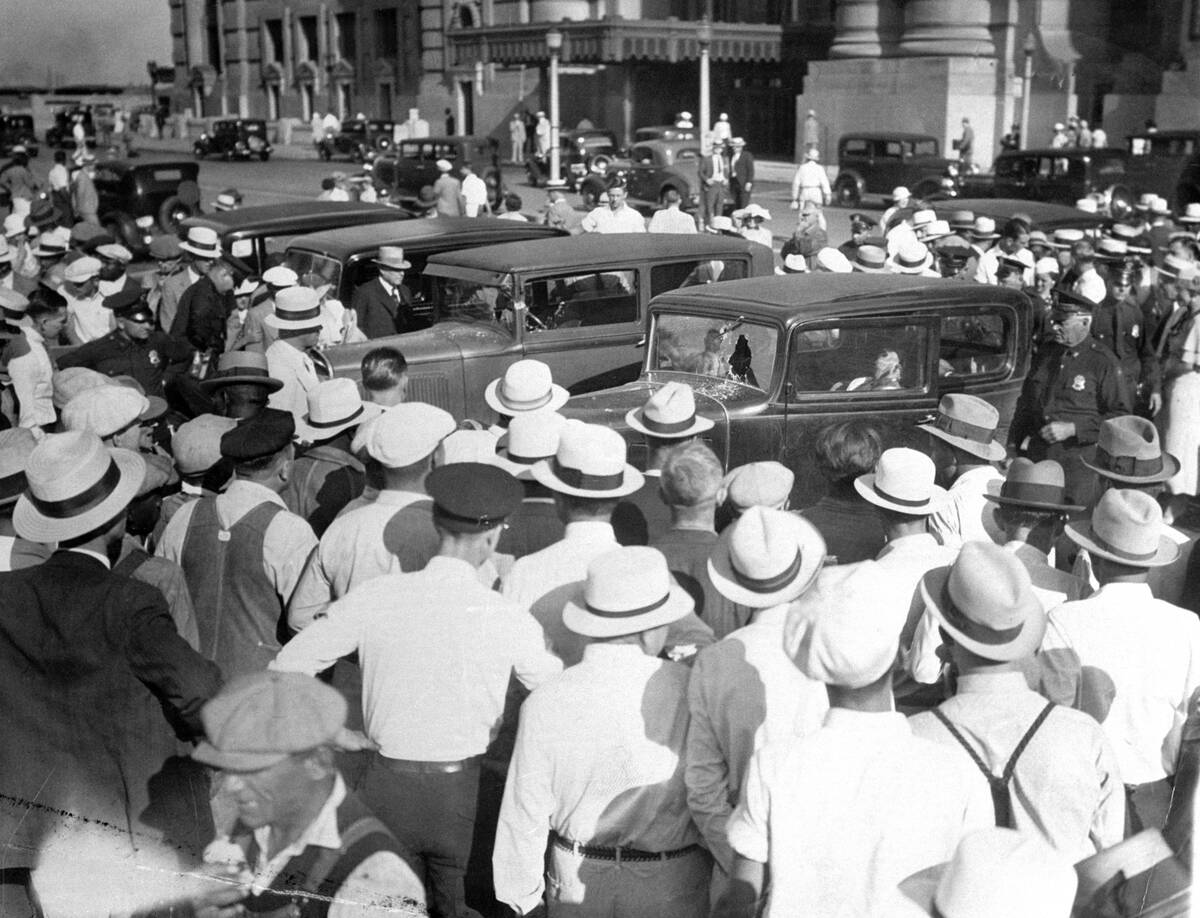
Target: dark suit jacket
column 201, row 317
column 742, row 171
column 706, row 171
column 378, row 315
column 90, row 662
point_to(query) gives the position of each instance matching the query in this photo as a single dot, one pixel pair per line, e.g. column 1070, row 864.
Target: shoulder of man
column 14, row 348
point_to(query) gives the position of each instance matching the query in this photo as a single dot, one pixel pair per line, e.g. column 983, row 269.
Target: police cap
column 1067, row 303
column 124, row 299
column 472, row 496
column 259, row 437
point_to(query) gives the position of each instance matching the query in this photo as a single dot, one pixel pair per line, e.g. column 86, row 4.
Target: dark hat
column 241, row 368
column 259, row 437
column 1071, row 303
column 125, row 298
column 472, row 496
column 165, row 247
column 860, row 222
column 43, row 213
column 138, row 311
column 1035, row 486
column 89, row 239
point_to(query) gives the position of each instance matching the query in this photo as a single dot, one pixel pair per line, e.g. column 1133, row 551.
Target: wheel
column 1120, row 202
column 601, row 161
column 174, row 211
column 846, row 193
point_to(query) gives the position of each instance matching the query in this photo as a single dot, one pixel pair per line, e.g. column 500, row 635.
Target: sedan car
column 580, row 153
column 17, row 130
column 1046, row 217
column 875, row 163
column 1166, row 163
column 413, row 165
column 61, row 136
column 650, row 171
column 1064, row 175
column 360, row 140
column 139, row 200
column 235, row 138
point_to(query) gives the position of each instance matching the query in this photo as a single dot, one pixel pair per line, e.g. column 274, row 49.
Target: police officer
column 1118, row 324
column 1075, row 383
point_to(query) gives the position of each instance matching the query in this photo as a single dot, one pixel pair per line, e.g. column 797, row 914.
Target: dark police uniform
column 149, row 361
column 1119, row 326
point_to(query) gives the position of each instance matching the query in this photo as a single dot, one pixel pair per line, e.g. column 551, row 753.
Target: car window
column 688, row 155
column 854, row 148
column 691, row 273
column 735, row 349
column 167, row 176
column 863, row 357
column 410, row 149
column 978, row 343
column 1071, row 169
column 442, row 151
column 457, row 300
column 302, row 262
column 583, row 300
column 107, row 176
column 1109, row 167
column 925, row 148
column 642, row 156
column 893, row 149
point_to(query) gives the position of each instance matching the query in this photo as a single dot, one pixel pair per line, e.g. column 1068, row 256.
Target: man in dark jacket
column 204, row 307
column 384, row 305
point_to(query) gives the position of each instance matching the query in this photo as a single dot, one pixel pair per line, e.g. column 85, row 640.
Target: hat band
column 242, row 371
column 667, row 427
column 14, row 313
column 203, row 247
column 1121, row 552
column 965, row 429
column 577, row 478
column 12, row 485
column 523, row 460
column 1128, row 465
column 902, row 501
column 524, row 404
column 53, row 249
column 1032, row 491
column 627, row 613
column 82, row 502
column 320, row 425
column 297, row 315
column 769, row 584
column 974, row 630
column 482, row 522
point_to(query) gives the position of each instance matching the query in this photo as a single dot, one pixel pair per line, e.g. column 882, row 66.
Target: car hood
column 716, row 399
column 444, row 341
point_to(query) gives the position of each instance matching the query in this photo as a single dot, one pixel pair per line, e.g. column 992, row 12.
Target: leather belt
column 618, row 853
column 410, row 767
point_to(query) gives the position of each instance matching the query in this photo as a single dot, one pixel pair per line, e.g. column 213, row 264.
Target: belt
column 618, row 853
column 410, row 767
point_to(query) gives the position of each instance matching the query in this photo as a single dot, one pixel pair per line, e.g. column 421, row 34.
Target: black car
column 1063, row 175
column 235, row 138
column 361, row 140
column 579, row 152
column 141, row 200
column 413, row 165
column 875, row 163
column 62, row 135
column 17, row 130
column 1166, row 163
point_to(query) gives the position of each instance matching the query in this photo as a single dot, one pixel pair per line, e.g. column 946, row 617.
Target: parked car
column 1064, row 175
column 650, row 170
column 1046, row 217
column 61, row 134
column 665, row 132
column 1166, row 163
column 17, row 130
column 235, row 138
column 773, row 359
column 579, row 153
column 875, row 163
column 413, row 165
column 361, row 140
column 254, row 233
column 576, row 303
column 140, row 200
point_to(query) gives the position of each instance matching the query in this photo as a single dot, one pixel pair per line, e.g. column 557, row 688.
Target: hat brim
column 578, row 618
column 30, row 523
column 935, row 592
column 1034, row 504
column 208, row 754
column 633, row 418
column 403, row 266
column 863, row 269
column 217, row 382
column 1083, row 536
column 865, row 486
column 307, row 433
column 1170, row 469
column 156, row 409
column 991, row 451
column 185, row 246
column 491, row 395
column 894, row 265
column 543, row 473
column 812, row 557
column 273, row 321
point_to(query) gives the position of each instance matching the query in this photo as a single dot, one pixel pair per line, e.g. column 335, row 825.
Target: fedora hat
column 962, row 220
column 900, row 193
column 404, row 434
column 795, row 263
column 242, row 368
column 1035, row 486
column 1038, row 237
column 202, row 241
column 986, row 602
column 53, row 243
column 1066, row 237
column 1047, row 267
column 70, row 381
column 1128, row 450
column 984, row 228
column 225, row 201
column 589, row 462
column 1129, row 858
column 75, row 485
column 525, row 386
column 16, row 446
column 833, row 261
column 426, row 197
column 42, row 213
column 902, row 482
column 296, row 309
column 392, row 256
column 334, row 405
column 1145, row 200
column 968, row 423
column 532, row 436
column 869, row 259
column 1191, row 213
column 477, row 446
column 922, row 218
column 669, row 414
column 627, row 590
column 938, row 229
column 767, row 557
column 1110, row 249
column 912, row 257
column 1126, row 527
column 1172, row 265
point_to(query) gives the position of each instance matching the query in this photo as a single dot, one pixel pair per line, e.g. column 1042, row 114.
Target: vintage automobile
column 773, row 359
column 235, row 138
column 578, row 303
column 17, row 130
column 580, row 153
column 1166, row 163
column 665, row 132
column 413, row 165
column 650, row 170
column 360, row 140
column 61, row 136
column 139, row 200
column 1046, row 217
column 1064, row 175
column 255, row 233
column 875, row 163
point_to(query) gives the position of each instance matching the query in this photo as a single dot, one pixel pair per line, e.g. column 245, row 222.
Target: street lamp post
column 704, row 37
column 554, row 43
column 1027, row 88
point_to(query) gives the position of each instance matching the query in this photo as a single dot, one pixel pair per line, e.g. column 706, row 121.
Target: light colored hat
column 82, row 269
column 1047, row 266
column 105, row 410
column 14, row 225
column 1066, row 237
column 1191, row 213
column 246, row 287
column 1088, row 205
column 1128, row 450
column 392, row 256
column 756, row 210
column 75, row 485
column 721, row 223
column 984, row 228
column 1172, row 265
column 1160, row 207
column 225, row 202
column 996, row 873
column 1059, row 126
column 242, row 367
column 1135, row 855
column 795, row 263
column 53, row 243
column 834, row 632
column 757, row 484
column 938, row 229
column 1126, row 527
column 444, row 165
column 812, row 153
column 902, row 482
column 900, row 192
column 70, row 381
column 1038, row 237
column 259, row 719
column 334, row 405
column 13, row 304
column 196, row 445
column 589, row 462
column 531, row 437
column 281, row 276
column 16, row 446
column 870, row 259
column 968, row 423
column 912, row 257
column 833, row 260
column 469, row 446
column 407, row 433
column 1036, row 486
column 114, row 251
column 296, row 309
column 525, row 386
column 627, row 590
column 669, row 414
column 921, row 218
column 202, row 241
column 767, row 557
column 986, row 602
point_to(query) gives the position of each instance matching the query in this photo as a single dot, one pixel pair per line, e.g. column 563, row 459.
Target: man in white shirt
column 811, row 183
column 1088, row 282
column 474, row 192
column 1013, row 243
column 297, row 318
column 29, row 364
column 87, row 319
column 670, row 219
column 617, row 217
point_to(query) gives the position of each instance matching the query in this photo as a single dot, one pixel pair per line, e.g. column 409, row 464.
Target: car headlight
column 144, row 222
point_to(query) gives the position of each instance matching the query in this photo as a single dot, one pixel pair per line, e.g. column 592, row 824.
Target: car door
column 889, row 165
column 641, row 172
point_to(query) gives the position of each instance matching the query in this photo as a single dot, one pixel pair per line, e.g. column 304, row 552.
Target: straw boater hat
column 525, row 386
column 1126, row 527
column 795, row 263
column 1108, row 249
column 870, row 259
column 280, row 277
column 969, row 423
column 296, row 309
column 392, row 256
column 225, row 202
column 334, row 405
column 961, row 221
column 53, row 243
column 986, row 602
column 912, row 257
column 767, row 557
column 938, row 229
column 1128, row 450
column 627, row 590
column 1066, row 237
column 242, row 368
column 983, row 228
column 13, row 306
column 468, row 446
column 76, row 485
column 669, row 414
column 202, row 241
column 902, row 482
column 833, row 261
column 1191, row 213
column 532, row 437
column 590, row 462
column 1035, row 486
column 16, row 446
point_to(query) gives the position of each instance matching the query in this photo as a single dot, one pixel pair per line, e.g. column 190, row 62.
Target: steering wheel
column 323, row 365
column 532, row 322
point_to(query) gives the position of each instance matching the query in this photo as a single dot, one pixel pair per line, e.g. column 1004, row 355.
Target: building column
column 866, row 28
column 193, row 29
column 947, row 28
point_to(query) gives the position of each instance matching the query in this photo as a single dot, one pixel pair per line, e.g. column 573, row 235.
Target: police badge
column 1079, row 383
column 152, row 356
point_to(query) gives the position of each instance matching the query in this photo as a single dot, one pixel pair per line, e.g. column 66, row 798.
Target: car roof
column 449, row 138
column 675, row 143
column 125, row 165
column 1000, row 209
column 294, row 212
column 885, row 135
column 341, row 243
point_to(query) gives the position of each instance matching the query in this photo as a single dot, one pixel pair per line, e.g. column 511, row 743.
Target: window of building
column 310, row 49
column 273, row 40
column 347, row 40
column 212, row 34
column 387, row 42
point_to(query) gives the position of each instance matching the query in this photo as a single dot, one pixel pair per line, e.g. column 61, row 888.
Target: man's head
column 903, row 490
column 589, row 473
column 385, row 376
column 260, row 448
column 165, row 251
column 1124, row 536
column 847, row 449
column 47, row 311
column 1014, row 237
column 392, row 264
column 82, row 277
column 616, row 196
column 671, row 198
column 114, row 259
column 471, row 501
column 1071, row 319
column 1083, row 253
column 1031, row 505
column 690, row 480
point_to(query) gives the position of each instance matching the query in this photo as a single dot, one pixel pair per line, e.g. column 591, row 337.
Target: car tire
column 1120, row 202
column 846, row 193
column 174, row 211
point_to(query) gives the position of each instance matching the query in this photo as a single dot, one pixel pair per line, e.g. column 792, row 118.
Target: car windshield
column 459, row 300
column 733, row 348
column 315, row 265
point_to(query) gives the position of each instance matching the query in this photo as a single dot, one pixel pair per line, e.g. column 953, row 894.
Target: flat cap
column 125, row 298
column 196, row 445
column 165, row 247
column 259, row 719
column 114, row 251
column 105, row 410
column 405, row 434
column 472, row 496
column 759, row 484
column 259, row 437
column 82, row 269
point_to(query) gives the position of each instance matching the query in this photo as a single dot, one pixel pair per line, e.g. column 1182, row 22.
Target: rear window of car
column 859, row 357
column 855, row 147
column 692, row 273
column 167, row 176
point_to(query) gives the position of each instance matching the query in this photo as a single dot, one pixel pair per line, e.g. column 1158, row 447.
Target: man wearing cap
column 598, row 765
column 1051, row 770
column 531, row 437
column 841, row 816
column 1126, row 658
column 965, row 452
column 165, row 287
column 242, row 551
column 810, row 182
column 90, row 661
column 437, row 649
column 87, row 317
column 1117, row 323
column 744, row 691
column 241, row 385
column 384, row 305
column 16, row 446
column 203, row 471
column 114, row 261
column 27, row 360
column 297, row 319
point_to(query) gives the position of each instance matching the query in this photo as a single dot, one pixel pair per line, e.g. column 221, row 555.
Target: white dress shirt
column 436, row 649
column 906, row 560
column 474, row 192
column 32, row 376
column 967, row 516
column 299, row 377
column 604, row 219
column 672, row 220
column 87, row 319
column 810, row 183
column 843, row 815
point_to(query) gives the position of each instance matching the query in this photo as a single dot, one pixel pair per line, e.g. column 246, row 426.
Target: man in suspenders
column 1051, row 769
